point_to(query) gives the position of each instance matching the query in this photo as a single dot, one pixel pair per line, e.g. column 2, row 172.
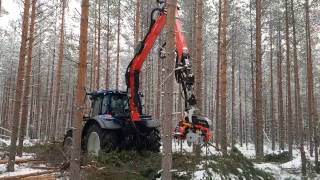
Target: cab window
column 97, row 107
column 119, row 104
column 105, row 105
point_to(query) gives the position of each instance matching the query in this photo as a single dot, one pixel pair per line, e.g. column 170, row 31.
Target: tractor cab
column 107, row 102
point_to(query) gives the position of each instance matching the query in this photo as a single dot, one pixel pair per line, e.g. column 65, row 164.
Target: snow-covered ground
column 26, row 143
column 281, row 171
column 21, row 169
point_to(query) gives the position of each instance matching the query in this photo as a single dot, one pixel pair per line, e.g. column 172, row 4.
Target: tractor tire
column 153, row 140
column 98, row 139
column 67, row 144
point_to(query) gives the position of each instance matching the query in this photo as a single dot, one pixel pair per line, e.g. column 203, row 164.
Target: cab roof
column 104, row 92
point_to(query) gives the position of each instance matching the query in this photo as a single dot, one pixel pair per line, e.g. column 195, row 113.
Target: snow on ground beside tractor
column 19, row 170
column 26, row 143
column 280, row 171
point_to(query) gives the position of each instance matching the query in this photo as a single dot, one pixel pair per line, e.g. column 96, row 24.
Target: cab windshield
column 119, row 104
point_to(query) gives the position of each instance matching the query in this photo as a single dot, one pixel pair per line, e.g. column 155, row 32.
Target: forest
column 159, row 89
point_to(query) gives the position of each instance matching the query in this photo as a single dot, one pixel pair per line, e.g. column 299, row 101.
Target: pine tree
column 280, row 95
column 82, row 71
column 259, row 117
column 273, row 132
column 168, row 89
column 289, row 109
column 59, row 71
column 28, row 76
column 224, row 66
column 118, row 44
column 108, row 47
column 19, row 85
column 297, row 96
column 199, row 53
column 217, row 96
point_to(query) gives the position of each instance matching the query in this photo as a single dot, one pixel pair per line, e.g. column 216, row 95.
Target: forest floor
column 239, row 164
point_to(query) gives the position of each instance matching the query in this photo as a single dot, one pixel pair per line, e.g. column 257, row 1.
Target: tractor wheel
column 67, row 143
column 98, row 139
column 153, row 141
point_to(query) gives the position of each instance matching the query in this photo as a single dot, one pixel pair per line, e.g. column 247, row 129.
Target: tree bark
column 81, row 84
column 28, row 76
column 233, row 120
column 259, row 116
column 224, row 66
column 199, row 54
column 168, row 89
column 289, row 109
column 118, row 45
column 94, row 49
column 19, row 85
column 280, row 95
column 137, row 29
column 99, row 47
column 309, row 80
column 240, row 109
column 252, row 76
column 108, row 46
column 59, row 72
column 218, row 80
column 246, row 113
column 273, row 130
column 297, row 97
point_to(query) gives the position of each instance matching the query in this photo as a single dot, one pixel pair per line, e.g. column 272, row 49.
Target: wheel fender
column 152, row 123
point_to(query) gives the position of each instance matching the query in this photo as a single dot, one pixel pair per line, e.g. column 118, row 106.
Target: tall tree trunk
column 19, row 85
column 280, row 95
column 224, row 66
column 273, row 130
column 246, row 113
column 199, row 54
column 259, row 116
column 108, row 46
column 309, row 80
column 81, row 84
column 28, row 76
column 118, row 45
column 300, row 129
column 252, row 76
column 44, row 127
column 218, row 80
column 316, row 135
column 37, row 122
column 137, row 29
column 99, row 47
column 168, row 88
column 94, row 49
column 240, row 108
column 233, row 120
column 59, row 72
column 289, row 109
